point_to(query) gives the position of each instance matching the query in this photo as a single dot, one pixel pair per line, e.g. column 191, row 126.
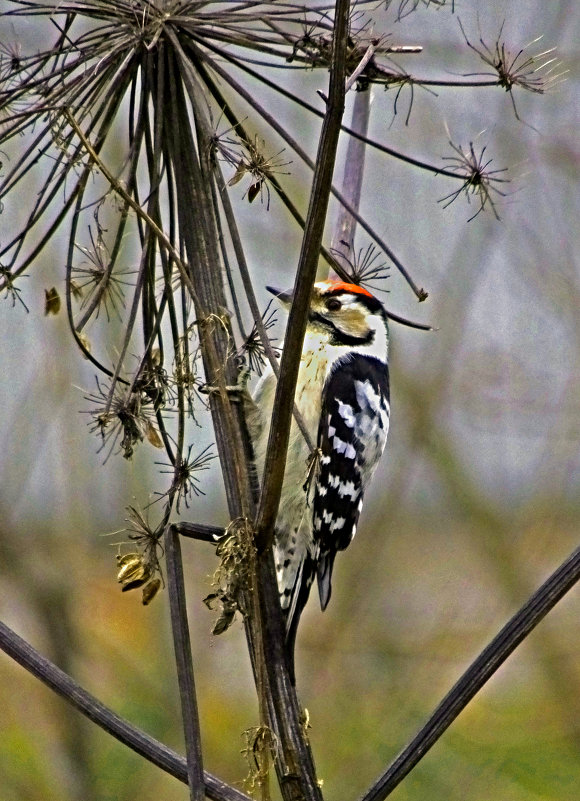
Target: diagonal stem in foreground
column 144, row 745
column 478, row 673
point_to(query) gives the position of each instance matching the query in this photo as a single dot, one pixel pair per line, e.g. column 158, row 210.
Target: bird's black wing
column 351, row 437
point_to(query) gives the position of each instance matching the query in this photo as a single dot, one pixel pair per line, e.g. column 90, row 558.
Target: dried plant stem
column 354, row 164
column 351, row 80
column 264, row 629
column 321, row 186
column 478, row 673
column 144, row 745
column 199, row 531
column 250, row 294
column 183, row 659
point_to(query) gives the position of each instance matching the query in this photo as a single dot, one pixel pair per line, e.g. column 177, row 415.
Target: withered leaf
column 51, row 301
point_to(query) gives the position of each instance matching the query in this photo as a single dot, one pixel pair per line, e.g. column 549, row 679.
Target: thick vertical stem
column 193, row 174
column 182, row 646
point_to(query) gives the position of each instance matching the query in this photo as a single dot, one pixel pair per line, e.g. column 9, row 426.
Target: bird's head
column 344, row 314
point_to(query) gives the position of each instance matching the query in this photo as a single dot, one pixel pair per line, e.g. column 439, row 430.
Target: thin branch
column 420, row 293
column 118, row 188
column 183, row 661
column 352, row 79
column 354, row 165
column 250, row 294
column 321, row 186
column 199, row 531
column 140, row 742
column 478, row 673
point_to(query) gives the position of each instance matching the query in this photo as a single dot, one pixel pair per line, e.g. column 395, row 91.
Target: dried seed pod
column 150, row 590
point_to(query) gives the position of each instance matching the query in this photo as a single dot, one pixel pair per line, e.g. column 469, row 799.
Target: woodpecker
column 343, row 395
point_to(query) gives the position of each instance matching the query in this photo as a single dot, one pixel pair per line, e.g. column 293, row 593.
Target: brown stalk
column 307, row 265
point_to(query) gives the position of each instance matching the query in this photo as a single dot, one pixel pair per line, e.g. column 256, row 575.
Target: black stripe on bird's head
column 347, row 313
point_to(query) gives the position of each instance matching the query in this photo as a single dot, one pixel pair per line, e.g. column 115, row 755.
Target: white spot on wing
column 345, row 410
column 347, row 488
column 344, row 447
column 366, row 396
column 365, row 424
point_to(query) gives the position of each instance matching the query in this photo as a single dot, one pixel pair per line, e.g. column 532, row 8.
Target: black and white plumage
column 351, row 436
column 343, row 395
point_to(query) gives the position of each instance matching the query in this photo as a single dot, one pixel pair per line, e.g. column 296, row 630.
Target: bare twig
column 250, row 295
column 479, row 672
column 63, row 685
column 199, row 531
column 352, row 79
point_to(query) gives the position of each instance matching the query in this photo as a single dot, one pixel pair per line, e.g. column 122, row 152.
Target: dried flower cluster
column 127, row 132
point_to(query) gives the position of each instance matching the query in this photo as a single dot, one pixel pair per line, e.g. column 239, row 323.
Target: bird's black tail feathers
column 304, row 578
column 324, row 574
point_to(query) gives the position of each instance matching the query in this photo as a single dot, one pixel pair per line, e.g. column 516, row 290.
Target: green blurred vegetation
column 475, row 504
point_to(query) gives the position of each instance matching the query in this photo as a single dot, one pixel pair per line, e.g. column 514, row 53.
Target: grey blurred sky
column 503, row 295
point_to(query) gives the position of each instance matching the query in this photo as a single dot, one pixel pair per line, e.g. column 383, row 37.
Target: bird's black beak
column 283, row 295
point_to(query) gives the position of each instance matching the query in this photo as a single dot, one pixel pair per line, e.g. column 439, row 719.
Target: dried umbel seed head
column 133, row 571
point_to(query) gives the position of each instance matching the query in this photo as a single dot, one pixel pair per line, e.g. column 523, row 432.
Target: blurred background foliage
column 475, row 503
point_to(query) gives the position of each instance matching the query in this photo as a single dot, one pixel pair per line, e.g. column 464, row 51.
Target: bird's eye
column 333, row 304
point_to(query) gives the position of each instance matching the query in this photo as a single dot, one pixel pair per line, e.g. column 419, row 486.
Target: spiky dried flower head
column 141, row 569
column 186, row 483
column 123, row 412
column 364, row 266
column 478, row 180
column 516, row 67
column 96, row 282
column 253, row 349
